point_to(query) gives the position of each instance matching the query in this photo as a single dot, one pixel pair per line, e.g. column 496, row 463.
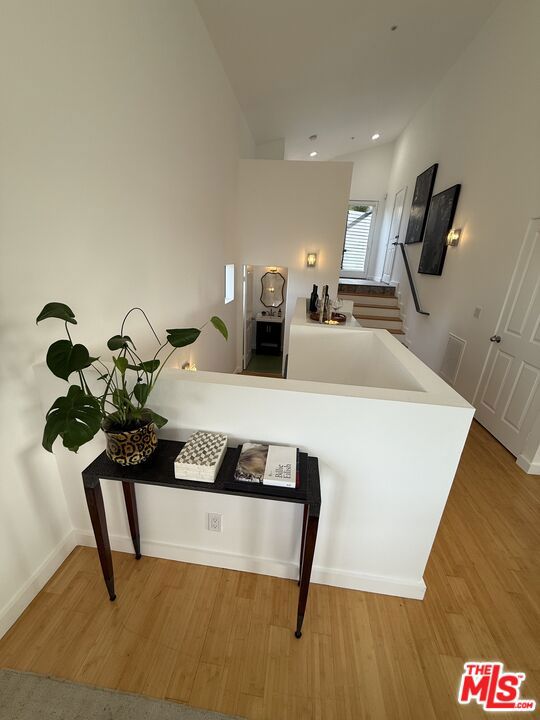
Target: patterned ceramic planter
column 133, row 446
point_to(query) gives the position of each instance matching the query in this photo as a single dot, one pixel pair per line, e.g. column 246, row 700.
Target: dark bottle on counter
column 313, row 299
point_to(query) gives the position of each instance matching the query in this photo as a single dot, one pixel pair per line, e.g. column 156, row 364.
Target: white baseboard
column 530, row 468
column 18, row 603
column 401, row 587
column 195, row 555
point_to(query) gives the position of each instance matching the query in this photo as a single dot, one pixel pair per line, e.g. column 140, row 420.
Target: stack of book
column 201, row 457
column 275, row 465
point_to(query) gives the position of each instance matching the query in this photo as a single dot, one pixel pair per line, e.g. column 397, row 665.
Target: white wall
column 481, row 126
column 120, row 144
column 371, row 174
column 380, row 510
column 287, row 208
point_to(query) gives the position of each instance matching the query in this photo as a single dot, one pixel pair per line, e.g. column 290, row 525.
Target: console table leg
column 133, row 517
column 94, row 499
column 303, row 541
column 307, row 563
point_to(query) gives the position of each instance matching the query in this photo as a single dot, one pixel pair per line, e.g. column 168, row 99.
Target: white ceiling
column 334, row 67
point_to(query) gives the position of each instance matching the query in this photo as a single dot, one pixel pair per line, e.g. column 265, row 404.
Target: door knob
column 495, row 338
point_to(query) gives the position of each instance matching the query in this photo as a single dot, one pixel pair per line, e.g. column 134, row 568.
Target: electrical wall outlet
column 477, row 311
column 213, row 521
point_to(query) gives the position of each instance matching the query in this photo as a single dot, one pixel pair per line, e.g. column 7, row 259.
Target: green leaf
column 120, row 398
column 181, row 337
column 119, row 341
column 148, row 366
column 57, row 310
column 220, row 325
column 159, row 420
column 121, row 364
column 63, row 358
column 75, row 417
column 141, row 392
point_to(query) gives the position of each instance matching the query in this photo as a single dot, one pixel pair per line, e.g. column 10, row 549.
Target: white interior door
column 247, row 284
column 393, row 234
column 508, row 397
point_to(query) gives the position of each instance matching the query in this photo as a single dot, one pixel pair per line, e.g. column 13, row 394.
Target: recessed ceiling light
column 376, row 136
column 313, row 154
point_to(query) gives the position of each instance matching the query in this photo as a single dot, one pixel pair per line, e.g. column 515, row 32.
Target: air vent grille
column 452, row 358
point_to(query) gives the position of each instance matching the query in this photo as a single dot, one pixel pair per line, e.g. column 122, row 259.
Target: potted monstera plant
column 112, row 397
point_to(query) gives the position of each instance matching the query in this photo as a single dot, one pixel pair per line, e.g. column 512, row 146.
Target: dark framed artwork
column 438, row 225
column 420, row 203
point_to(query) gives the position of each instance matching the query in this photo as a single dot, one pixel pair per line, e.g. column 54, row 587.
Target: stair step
column 390, row 306
column 389, row 318
column 367, row 290
column 377, row 322
column 377, row 310
column 369, row 299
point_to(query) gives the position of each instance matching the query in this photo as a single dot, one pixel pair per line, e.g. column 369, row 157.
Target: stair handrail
column 411, row 281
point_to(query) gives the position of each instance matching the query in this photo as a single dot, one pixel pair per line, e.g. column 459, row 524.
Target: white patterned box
column 201, row 457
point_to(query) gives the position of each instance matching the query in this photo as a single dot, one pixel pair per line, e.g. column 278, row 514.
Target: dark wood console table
column 159, row 470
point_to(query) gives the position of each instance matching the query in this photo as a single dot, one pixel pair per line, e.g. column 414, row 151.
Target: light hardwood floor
column 223, row 640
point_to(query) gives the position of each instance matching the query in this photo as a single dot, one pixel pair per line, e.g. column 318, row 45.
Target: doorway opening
column 264, row 311
column 358, row 240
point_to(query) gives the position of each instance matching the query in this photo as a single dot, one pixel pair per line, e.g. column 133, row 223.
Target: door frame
column 246, row 346
column 390, row 239
column 361, row 275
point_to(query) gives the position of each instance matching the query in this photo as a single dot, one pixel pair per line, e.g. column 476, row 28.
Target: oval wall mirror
column 272, row 289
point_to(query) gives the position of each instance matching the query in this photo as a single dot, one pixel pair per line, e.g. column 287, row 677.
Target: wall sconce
column 272, row 269
column 189, row 366
column 311, row 259
column 452, row 239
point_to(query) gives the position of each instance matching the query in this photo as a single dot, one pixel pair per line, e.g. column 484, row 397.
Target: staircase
column 375, row 305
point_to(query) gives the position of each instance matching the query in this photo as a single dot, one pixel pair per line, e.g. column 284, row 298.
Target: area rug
column 25, row 696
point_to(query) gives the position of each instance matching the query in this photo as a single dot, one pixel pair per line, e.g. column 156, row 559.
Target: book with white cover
column 201, row 457
column 280, row 467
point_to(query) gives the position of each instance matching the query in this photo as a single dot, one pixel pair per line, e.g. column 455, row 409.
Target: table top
column 159, row 470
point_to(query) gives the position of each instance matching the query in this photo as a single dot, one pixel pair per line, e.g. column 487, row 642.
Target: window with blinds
column 360, row 224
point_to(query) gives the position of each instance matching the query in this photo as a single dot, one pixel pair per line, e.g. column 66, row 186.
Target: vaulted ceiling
column 335, row 67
